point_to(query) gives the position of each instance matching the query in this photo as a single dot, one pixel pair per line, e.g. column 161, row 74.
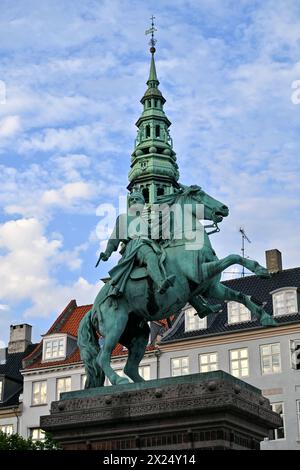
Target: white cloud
column 44, row 303
column 90, row 137
column 4, row 307
column 42, row 190
column 27, row 267
column 66, row 195
column 9, row 126
column 72, row 166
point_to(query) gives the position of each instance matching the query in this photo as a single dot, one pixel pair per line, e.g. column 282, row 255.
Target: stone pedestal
column 199, row 411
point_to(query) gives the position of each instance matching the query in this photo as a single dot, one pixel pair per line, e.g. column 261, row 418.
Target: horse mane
column 184, row 193
column 181, row 197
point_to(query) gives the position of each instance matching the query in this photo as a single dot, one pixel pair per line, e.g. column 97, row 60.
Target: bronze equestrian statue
column 154, row 280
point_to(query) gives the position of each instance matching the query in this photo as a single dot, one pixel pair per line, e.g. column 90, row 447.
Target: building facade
column 11, row 380
column 233, row 341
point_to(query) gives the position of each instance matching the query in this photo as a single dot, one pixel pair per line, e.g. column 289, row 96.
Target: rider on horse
column 138, row 249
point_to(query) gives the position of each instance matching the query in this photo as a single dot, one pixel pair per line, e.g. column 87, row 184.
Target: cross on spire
column 151, row 31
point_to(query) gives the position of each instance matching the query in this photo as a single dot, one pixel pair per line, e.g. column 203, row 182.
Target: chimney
column 20, row 338
column 3, row 356
column 274, row 261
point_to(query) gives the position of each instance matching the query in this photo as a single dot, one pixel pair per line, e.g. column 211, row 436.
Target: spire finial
column 151, row 31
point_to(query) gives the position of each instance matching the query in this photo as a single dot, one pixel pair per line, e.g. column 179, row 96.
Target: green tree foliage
column 17, row 442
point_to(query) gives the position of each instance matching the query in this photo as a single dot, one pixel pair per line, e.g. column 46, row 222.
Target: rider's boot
column 161, row 283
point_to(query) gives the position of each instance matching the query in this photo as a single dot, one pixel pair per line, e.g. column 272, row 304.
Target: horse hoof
column 122, row 381
column 262, row 273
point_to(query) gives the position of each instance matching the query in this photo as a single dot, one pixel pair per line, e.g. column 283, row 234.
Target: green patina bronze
column 156, row 276
column 153, row 162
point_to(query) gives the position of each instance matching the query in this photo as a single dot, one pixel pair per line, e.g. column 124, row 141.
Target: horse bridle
column 213, row 225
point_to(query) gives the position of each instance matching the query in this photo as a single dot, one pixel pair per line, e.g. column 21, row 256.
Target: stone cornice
column 232, row 337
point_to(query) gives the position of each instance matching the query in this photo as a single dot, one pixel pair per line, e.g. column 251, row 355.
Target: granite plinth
column 200, row 411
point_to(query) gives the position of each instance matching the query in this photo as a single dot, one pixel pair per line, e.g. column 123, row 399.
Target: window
column 157, row 131
column 280, row 432
column 149, row 103
column 54, row 348
column 285, row 302
column 295, row 354
column 39, row 393
column 239, row 363
column 7, row 429
column 62, row 385
column 192, row 320
column 37, row 434
column 147, row 131
column 1, row 390
column 160, row 191
column 82, row 381
column 237, row 313
column 179, row 366
column 144, row 371
column 208, row 362
column 155, row 103
column 270, row 358
column 146, row 194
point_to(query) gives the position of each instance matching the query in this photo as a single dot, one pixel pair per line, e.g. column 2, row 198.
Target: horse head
column 213, row 209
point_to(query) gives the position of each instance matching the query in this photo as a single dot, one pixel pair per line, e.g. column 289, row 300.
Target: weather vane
column 151, row 31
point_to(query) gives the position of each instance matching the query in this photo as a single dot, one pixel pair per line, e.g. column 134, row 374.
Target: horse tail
column 88, row 343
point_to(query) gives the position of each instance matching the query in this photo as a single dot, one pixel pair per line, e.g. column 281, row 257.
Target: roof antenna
column 244, row 237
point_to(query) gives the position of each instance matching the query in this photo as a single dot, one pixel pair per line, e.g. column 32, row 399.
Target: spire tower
column 154, row 170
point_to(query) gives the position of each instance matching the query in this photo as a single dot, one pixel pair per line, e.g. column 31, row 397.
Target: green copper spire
column 154, row 170
column 152, row 80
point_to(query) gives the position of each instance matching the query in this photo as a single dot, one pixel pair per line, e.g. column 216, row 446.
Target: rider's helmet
column 136, row 197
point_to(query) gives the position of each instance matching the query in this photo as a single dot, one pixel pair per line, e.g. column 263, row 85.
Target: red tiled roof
column 72, row 323
column 68, row 322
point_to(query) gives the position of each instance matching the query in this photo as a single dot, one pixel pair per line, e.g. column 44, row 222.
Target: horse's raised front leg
column 222, row 292
column 212, row 268
column 113, row 324
column 136, row 344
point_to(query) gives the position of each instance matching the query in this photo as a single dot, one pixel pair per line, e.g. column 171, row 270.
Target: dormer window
column 285, row 301
column 1, row 389
column 54, row 348
column 192, row 320
column 237, row 313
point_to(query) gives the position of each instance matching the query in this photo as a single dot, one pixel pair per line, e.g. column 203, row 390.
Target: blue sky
column 74, row 72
